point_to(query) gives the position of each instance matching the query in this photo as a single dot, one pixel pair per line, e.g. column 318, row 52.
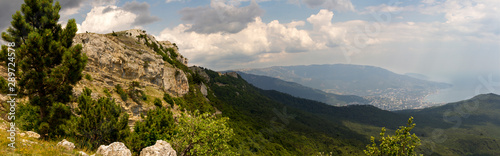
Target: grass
column 41, row 147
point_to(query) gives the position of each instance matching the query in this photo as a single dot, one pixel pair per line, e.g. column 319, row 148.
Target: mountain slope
column 461, row 128
column 297, row 90
column 386, row 90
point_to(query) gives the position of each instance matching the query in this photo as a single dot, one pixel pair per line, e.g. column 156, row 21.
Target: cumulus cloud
column 221, row 16
column 251, row 44
column 104, row 19
column 100, row 21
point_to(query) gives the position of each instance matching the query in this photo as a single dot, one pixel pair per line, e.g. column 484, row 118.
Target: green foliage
column 4, row 88
column 194, row 100
column 136, row 94
column 27, row 117
column 88, row 77
column 114, row 34
column 99, row 122
column 197, row 78
column 106, row 91
column 171, row 51
column 157, row 125
column 168, row 99
column 203, row 134
column 48, row 63
column 401, row 143
column 158, row 103
column 121, row 92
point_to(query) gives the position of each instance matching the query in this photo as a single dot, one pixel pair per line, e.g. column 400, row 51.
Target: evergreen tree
column 48, row 64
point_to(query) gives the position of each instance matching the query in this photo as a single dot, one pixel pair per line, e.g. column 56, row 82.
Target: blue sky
column 439, row 38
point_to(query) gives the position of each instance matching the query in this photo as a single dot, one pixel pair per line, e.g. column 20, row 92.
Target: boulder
column 161, row 148
column 66, row 144
column 114, row 149
column 32, row 134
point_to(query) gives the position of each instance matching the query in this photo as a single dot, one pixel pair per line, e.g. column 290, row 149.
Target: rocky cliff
column 127, row 57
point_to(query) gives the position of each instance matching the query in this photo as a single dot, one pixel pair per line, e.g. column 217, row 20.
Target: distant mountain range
column 298, row 90
column 385, row 89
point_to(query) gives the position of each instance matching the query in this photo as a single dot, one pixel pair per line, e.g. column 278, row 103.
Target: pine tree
column 48, row 64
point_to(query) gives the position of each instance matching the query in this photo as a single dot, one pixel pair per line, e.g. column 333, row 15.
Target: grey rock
column 161, row 148
column 66, row 144
column 114, row 149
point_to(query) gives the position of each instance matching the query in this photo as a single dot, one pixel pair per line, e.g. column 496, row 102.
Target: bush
column 123, row 94
column 114, row 34
column 168, row 99
column 157, row 125
column 99, row 122
column 88, row 77
column 402, row 143
column 202, row 134
column 158, row 103
column 106, row 91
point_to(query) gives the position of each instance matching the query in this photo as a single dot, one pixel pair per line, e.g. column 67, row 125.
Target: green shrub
column 157, row 125
column 121, row 92
column 99, row 122
column 402, row 143
column 106, row 91
column 88, row 77
column 158, row 103
column 202, row 134
column 168, row 99
column 114, row 34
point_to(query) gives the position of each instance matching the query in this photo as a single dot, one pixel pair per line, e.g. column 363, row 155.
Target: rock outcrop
column 161, row 148
column 125, row 58
column 66, row 144
column 114, row 149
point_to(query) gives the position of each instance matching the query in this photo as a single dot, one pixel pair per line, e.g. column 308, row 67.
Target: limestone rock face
column 114, row 149
column 66, row 144
column 161, row 148
column 125, row 58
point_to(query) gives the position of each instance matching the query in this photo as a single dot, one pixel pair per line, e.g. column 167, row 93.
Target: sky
column 447, row 40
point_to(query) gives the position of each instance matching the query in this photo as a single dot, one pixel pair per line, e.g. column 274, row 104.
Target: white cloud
column 257, row 40
column 105, row 19
column 99, row 21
